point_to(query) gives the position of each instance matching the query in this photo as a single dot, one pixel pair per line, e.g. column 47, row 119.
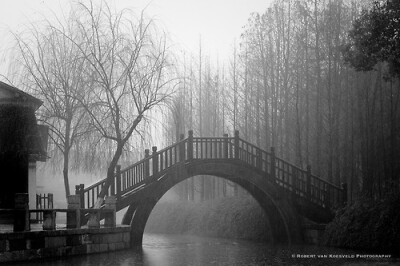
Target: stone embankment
column 41, row 244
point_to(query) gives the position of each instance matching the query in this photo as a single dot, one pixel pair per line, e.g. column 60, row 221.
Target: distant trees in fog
column 289, row 86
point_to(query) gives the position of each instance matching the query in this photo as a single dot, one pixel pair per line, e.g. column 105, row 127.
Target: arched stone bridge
column 283, row 190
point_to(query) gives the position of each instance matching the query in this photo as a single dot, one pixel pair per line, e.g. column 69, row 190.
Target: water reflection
column 189, row 250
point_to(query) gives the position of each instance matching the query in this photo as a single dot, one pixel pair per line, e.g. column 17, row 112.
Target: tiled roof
column 10, row 94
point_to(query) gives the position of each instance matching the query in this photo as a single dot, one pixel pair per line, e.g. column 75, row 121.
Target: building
column 22, row 143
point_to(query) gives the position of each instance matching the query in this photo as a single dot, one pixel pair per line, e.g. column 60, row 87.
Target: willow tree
column 129, row 71
column 53, row 70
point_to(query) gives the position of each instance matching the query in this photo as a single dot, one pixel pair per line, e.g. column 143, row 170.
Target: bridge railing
column 252, row 155
column 288, row 176
column 304, row 184
column 213, row 148
column 132, row 175
column 170, row 156
column 137, row 174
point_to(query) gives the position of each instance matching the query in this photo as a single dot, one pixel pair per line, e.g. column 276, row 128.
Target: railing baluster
column 182, row 149
column 272, row 166
column 155, row 161
column 211, row 151
column 171, row 154
column 226, row 147
column 190, row 145
column 132, row 178
column 220, row 150
column 344, row 193
column 166, row 158
column 92, row 198
column 209, row 145
column 204, row 144
column 204, row 148
column 163, row 159
column 236, row 144
column 308, row 182
column 175, row 154
column 125, row 178
column 140, row 167
column 196, row 156
column 118, row 182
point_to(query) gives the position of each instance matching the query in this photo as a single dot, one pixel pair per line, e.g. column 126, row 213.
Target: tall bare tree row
column 288, row 86
column 319, row 110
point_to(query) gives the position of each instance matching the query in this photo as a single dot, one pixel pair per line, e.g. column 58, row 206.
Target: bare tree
column 129, row 73
column 53, row 70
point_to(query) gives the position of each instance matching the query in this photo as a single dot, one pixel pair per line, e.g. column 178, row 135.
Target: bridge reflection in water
column 286, row 192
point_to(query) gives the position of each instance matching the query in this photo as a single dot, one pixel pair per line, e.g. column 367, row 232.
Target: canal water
column 164, row 250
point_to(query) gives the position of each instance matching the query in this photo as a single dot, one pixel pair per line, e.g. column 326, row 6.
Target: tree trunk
column 110, row 175
column 65, row 173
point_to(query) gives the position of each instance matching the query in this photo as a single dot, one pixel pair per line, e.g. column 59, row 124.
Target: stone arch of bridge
column 283, row 218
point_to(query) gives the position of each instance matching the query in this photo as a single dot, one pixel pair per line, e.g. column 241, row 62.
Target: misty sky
column 218, row 22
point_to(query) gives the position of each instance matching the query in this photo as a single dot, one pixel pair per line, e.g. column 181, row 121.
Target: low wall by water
column 58, row 243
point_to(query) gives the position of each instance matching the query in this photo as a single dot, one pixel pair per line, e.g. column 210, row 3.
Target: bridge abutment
column 138, row 214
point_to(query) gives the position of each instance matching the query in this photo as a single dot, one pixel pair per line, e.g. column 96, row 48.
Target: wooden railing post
column 79, row 191
column 39, row 216
column 73, row 213
column 110, row 203
column 50, row 200
column 94, row 219
column 118, row 181
column 190, row 145
column 226, row 151
column 146, row 164
column 327, row 196
column 258, row 159
column 155, row 161
column 21, row 212
column 112, row 188
column 273, row 164
column 295, row 181
column 308, row 182
column 344, row 193
column 236, row 144
column 182, row 148
column 49, row 219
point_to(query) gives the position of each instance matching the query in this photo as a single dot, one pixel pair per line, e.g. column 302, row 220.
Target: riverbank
column 239, row 218
column 367, row 225
column 39, row 244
